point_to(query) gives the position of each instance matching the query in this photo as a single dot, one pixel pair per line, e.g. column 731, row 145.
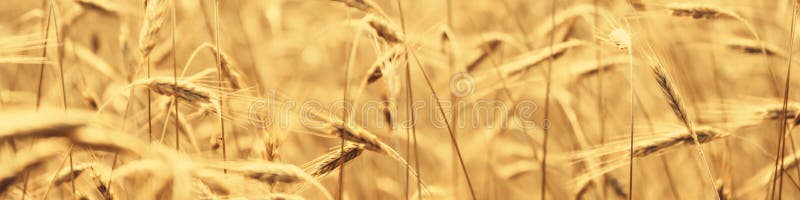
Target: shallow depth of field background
column 484, row 59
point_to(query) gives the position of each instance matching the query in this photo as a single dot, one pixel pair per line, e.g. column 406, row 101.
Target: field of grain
column 398, row 99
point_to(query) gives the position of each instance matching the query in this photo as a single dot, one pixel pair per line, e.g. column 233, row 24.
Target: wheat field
column 398, row 99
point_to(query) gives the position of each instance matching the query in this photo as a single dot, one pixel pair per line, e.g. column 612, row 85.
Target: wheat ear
column 675, row 100
column 335, row 158
column 275, row 172
column 366, row 6
column 703, row 11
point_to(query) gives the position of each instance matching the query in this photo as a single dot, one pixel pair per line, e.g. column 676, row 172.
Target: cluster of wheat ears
column 589, row 99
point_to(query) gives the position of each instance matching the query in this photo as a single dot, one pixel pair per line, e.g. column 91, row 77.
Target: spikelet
column 530, row 59
column 750, row 46
column 704, row 135
column 335, row 158
column 775, row 112
column 100, row 177
column 101, row 6
column 670, row 92
column 675, row 100
column 564, row 20
column 384, row 68
column 229, row 68
column 187, row 91
column 154, row 16
column 71, row 174
column 746, row 113
column 383, row 30
column 272, row 146
column 375, row 72
column 353, row 133
column 487, row 48
column 700, row 11
column 366, row 6
column 270, row 172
